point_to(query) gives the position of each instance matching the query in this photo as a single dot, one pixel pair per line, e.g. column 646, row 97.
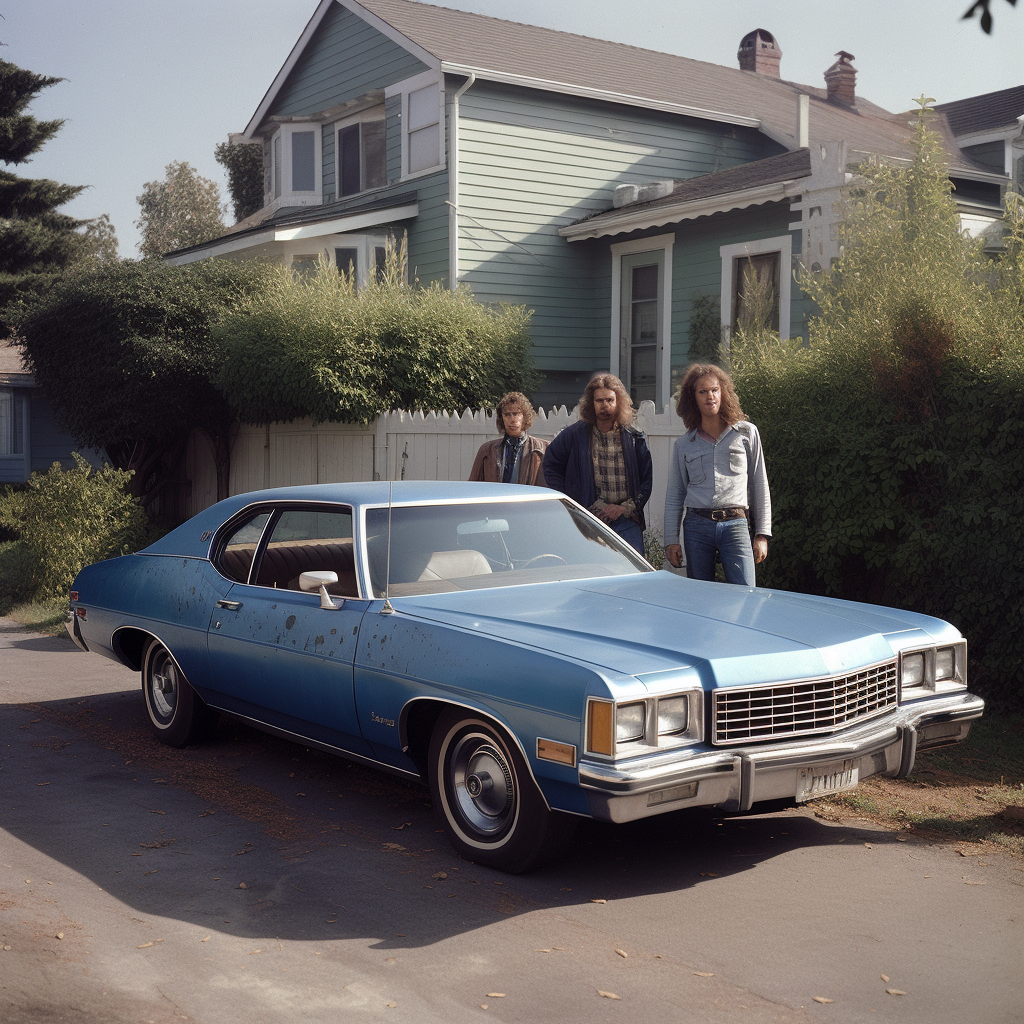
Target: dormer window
column 295, row 165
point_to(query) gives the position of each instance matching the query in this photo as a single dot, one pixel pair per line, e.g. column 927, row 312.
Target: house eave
column 673, row 213
column 256, row 237
column 608, row 96
column 312, row 25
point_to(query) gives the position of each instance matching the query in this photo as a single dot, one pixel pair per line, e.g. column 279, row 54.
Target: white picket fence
column 398, row 446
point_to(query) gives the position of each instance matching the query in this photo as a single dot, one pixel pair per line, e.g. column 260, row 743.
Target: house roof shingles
column 989, row 112
column 549, row 58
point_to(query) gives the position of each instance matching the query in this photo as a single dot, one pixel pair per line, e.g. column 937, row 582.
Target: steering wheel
column 558, row 560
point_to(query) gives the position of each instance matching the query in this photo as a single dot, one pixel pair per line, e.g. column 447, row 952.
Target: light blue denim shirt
column 729, row 472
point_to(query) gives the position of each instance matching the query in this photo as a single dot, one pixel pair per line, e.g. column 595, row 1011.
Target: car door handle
column 232, row 606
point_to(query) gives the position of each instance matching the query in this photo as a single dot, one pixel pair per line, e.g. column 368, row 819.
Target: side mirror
column 318, row 580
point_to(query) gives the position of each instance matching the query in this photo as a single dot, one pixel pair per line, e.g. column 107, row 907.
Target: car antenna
column 388, row 609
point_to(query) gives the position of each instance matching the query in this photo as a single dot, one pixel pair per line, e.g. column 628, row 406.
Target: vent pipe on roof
column 841, row 81
column 760, row 53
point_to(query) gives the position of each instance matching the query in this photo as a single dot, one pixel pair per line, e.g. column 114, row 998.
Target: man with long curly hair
column 515, row 457
column 717, row 488
column 602, row 461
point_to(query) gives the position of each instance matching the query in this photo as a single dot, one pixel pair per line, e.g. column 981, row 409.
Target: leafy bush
column 66, row 519
column 316, row 346
column 895, row 438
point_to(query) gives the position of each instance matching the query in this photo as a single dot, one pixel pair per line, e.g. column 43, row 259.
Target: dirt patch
column 958, row 794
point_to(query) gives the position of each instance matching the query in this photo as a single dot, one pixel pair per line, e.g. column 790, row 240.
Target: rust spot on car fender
column 318, row 641
column 333, row 632
column 289, row 622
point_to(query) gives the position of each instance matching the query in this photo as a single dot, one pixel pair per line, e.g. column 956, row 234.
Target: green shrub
column 316, row 346
column 66, row 519
column 895, row 438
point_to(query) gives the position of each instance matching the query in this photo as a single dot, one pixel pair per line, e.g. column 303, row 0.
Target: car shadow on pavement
column 256, row 836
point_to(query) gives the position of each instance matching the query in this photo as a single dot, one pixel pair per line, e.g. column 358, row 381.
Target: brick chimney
column 760, row 53
column 841, row 81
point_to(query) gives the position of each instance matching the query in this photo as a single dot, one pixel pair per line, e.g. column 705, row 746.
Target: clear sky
column 151, row 81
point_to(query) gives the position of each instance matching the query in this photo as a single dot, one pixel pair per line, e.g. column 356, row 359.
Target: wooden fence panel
column 398, row 446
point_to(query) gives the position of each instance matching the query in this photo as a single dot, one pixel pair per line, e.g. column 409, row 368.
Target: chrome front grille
column 744, row 715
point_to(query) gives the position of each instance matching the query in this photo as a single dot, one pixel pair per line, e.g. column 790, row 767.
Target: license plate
column 826, row 779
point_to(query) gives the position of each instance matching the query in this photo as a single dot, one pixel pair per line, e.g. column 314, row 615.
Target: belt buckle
column 718, row 515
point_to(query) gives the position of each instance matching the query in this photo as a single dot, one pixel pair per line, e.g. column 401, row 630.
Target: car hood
column 659, row 622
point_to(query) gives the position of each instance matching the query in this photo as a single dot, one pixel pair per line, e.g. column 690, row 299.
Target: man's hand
column 612, row 512
column 760, row 549
column 674, row 553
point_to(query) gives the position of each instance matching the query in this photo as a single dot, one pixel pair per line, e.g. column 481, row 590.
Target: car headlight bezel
column 631, row 727
column 932, row 670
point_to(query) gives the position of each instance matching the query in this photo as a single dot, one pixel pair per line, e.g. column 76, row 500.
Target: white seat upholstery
column 453, row 565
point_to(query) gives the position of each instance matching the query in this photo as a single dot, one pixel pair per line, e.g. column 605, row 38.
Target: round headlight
column 629, row 723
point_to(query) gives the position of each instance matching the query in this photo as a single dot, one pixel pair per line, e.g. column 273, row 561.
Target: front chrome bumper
column 737, row 778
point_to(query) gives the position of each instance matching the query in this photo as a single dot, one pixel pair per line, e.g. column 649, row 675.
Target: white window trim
column 288, row 196
column 783, row 245
column 620, row 249
column 403, row 89
column 364, row 244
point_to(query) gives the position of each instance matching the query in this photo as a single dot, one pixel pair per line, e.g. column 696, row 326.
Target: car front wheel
column 177, row 713
column 490, row 806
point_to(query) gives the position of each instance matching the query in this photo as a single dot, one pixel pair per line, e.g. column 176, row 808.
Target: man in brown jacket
column 515, row 457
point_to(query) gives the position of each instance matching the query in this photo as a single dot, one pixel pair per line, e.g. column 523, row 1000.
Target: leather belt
column 720, row 515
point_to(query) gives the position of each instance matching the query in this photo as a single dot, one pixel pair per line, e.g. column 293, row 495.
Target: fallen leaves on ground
column 607, row 995
column 822, row 999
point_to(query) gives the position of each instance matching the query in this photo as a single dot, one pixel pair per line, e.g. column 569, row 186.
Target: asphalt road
column 254, row 880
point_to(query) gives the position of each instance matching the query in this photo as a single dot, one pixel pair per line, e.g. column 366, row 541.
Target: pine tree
column 36, row 241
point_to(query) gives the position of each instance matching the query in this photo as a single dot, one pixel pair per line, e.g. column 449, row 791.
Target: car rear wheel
column 177, row 713
column 490, row 806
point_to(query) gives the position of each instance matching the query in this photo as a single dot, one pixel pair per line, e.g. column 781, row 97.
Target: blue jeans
column 704, row 538
column 629, row 530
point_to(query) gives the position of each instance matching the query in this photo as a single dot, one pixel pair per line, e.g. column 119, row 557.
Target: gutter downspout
column 453, row 185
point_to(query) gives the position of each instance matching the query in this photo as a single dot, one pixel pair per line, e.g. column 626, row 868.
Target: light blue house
column 603, row 186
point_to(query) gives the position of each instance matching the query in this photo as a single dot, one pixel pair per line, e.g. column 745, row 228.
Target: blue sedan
column 505, row 646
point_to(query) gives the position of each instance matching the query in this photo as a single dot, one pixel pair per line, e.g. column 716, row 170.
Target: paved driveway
column 253, row 880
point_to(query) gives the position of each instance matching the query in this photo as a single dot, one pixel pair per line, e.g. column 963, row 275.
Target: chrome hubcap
column 483, row 784
column 163, row 686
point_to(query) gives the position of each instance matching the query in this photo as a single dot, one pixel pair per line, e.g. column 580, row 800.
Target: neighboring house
column 603, row 186
column 30, row 439
column 990, row 130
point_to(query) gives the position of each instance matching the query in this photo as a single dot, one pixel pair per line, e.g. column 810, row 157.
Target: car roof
column 193, row 537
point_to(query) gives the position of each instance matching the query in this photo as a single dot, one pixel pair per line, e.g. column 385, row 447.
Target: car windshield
column 469, row 546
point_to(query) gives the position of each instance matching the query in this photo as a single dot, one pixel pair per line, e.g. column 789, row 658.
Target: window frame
column 363, row 118
column 781, row 244
column 282, row 165
column 405, row 90
column 662, row 245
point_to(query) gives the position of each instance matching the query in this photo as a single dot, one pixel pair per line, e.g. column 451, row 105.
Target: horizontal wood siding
column 531, row 163
column 346, row 58
column 697, row 265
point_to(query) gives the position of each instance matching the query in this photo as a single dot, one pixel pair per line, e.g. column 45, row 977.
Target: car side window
column 239, row 548
column 310, row 540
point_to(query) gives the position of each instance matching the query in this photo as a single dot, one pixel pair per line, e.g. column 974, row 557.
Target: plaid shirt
column 609, row 471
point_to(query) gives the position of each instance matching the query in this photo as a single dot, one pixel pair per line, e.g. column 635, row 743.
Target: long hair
column 686, row 405
column 623, row 403
column 514, row 401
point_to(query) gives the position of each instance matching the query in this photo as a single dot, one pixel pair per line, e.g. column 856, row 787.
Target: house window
column 641, row 317
column 363, row 256
column 12, row 421
column 361, row 157
column 422, row 122
column 295, row 156
column 756, row 282
column 756, row 292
